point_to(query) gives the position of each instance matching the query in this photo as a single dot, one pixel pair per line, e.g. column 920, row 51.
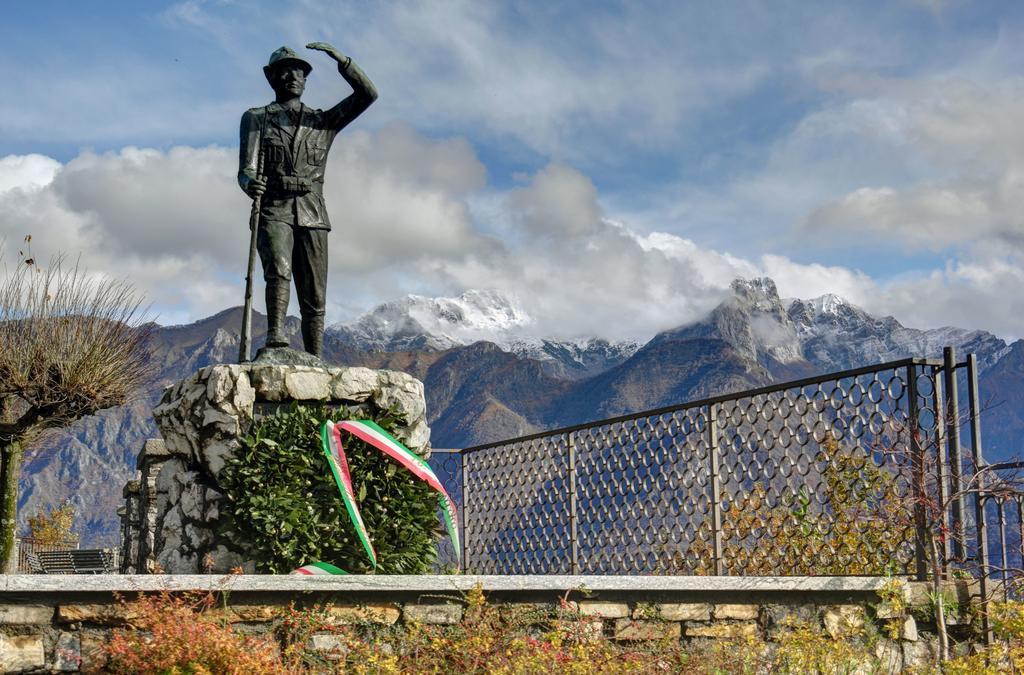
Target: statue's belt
column 293, row 185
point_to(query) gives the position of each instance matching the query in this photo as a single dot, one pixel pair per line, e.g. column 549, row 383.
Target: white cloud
column 26, row 172
column 174, row 223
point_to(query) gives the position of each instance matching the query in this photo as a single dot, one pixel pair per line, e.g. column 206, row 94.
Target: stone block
column 67, row 653
column 220, row 383
column 890, row 657
column 25, row 614
column 21, row 652
column 782, row 617
column 357, row 614
column 843, row 620
column 94, row 658
column 246, row 613
column 354, row 384
column 433, row 614
column 741, row 612
column 921, row 654
column 332, row 647
column 268, row 381
column 107, row 615
column 308, row 385
column 908, row 630
column 633, row 629
column 604, row 610
column 730, row 631
column 886, row 610
column 684, row 611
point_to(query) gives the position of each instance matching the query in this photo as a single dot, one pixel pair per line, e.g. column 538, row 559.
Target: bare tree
column 70, row 345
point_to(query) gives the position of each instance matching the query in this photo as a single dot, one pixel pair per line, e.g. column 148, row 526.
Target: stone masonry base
column 57, row 623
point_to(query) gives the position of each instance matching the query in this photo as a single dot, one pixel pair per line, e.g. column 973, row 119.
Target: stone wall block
column 416, row 437
column 634, row 629
column 890, row 656
column 175, row 559
column 220, row 383
column 908, row 629
column 843, row 620
column 370, row 614
column 226, row 559
column 21, row 652
column 19, row 615
column 886, row 610
column 405, row 392
column 94, row 658
column 244, row 396
column 331, row 646
column 685, row 611
column 433, row 614
column 921, row 654
column 354, row 384
column 217, row 454
column 723, row 630
column 67, row 653
column 114, row 614
column 268, row 381
column 220, row 420
column 733, row 611
column 171, row 533
column 778, row 618
column 308, row 385
column 604, row 610
column 167, row 480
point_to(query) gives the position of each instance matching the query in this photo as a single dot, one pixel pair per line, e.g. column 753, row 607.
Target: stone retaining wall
column 51, row 623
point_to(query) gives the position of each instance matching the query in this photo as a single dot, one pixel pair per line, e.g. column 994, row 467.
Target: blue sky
column 610, row 166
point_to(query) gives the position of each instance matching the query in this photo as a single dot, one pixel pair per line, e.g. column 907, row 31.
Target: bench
column 78, row 561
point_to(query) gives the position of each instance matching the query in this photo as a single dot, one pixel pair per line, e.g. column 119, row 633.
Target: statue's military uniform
column 293, row 223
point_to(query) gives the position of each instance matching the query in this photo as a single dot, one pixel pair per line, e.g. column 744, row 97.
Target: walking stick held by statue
column 245, row 342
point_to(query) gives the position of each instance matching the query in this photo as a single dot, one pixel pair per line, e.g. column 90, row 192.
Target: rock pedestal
column 202, row 419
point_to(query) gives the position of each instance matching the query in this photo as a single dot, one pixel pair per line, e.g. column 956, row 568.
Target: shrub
column 284, row 509
column 54, row 527
column 176, row 634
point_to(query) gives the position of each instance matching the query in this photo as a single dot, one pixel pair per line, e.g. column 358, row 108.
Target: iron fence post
column 716, row 490
column 952, row 415
column 917, row 469
column 574, row 567
column 980, row 526
column 464, row 524
column 938, row 405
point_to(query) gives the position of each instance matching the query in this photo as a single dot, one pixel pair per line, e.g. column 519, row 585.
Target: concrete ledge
column 124, row 583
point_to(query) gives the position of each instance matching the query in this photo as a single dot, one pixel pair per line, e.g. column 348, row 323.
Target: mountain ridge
column 481, row 390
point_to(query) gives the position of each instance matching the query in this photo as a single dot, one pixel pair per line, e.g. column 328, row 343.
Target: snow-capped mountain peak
column 416, row 322
column 828, row 304
column 419, row 322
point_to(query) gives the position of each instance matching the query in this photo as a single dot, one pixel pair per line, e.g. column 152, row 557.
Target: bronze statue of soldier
column 282, row 157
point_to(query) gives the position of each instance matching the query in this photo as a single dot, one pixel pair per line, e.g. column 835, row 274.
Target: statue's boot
column 313, row 334
column 277, row 309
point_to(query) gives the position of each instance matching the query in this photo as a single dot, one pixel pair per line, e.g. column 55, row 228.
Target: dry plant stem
column 940, row 610
column 70, row 345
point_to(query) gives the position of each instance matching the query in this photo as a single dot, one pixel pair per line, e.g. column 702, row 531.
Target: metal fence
column 842, row 474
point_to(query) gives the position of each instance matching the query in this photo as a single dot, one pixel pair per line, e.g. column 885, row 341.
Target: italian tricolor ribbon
column 374, row 435
column 331, row 439
column 319, row 568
